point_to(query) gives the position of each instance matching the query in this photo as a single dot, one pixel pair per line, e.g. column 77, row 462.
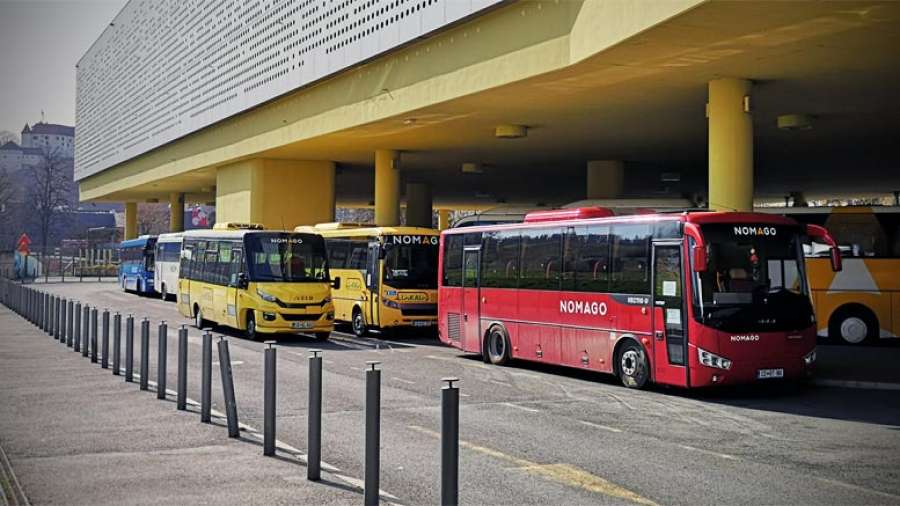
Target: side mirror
column 836, row 262
column 383, row 250
column 336, row 283
column 242, row 281
column 821, row 235
column 701, row 259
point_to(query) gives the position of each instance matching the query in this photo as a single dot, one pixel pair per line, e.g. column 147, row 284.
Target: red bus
column 686, row 299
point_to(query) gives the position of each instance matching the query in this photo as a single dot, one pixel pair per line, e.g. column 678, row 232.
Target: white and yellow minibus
column 389, row 275
column 255, row 280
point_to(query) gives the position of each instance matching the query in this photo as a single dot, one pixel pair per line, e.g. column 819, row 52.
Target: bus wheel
column 199, row 322
column 251, row 326
column 497, row 346
column 359, row 323
column 632, row 365
column 322, row 336
column 163, row 293
column 854, row 324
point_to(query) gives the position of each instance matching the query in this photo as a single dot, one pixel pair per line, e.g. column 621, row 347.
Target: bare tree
column 153, row 219
column 7, row 136
column 50, row 193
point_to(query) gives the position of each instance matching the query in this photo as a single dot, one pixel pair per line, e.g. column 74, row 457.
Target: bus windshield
column 411, row 265
column 754, row 281
column 286, row 257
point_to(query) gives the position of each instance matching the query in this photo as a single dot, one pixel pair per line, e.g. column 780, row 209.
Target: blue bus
column 136, row 264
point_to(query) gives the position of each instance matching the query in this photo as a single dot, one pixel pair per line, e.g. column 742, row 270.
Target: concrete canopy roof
column 586, row 92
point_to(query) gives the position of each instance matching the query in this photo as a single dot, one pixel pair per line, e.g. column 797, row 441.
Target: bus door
column 669, row 343
column 234, row 287
column 471, row 300
column 373, row 283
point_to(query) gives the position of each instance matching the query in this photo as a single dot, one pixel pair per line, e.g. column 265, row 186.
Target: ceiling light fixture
column 511, row 131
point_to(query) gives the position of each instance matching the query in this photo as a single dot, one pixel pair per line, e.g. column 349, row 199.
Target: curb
column 7, row 475
column 865, row 385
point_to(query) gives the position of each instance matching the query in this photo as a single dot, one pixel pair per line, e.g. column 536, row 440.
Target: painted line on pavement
column 709, row 452
column 598, row 426
column 565, row 474
column 523, row 408
column 864, row 385
column 401, row 380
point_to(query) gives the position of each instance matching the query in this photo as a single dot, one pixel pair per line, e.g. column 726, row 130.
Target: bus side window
column 453, row 246
column 630, row 256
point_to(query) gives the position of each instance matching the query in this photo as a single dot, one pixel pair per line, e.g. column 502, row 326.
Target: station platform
column 73, row 433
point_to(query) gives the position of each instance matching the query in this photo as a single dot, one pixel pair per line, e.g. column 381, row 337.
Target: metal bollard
column 104, row 340
column 77, row 344
column 145, row 352
column 45, row 301
column 181, row 401
column 314, row 427
column 85, row 330
column 55, row 316
column 60, row 331
column 162, row 354
column 129, row 349
column 269, row 399
column 70, row 319
column 117, row 343
column 94, row 335
column 51, row 317
column 206, row 379
column 449, row 443
column 373, row 433
column 228, row 388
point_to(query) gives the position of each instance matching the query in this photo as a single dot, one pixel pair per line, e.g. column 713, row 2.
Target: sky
column 40, row 43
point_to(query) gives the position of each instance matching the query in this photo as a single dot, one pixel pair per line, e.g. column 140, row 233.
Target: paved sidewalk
column 76, row 434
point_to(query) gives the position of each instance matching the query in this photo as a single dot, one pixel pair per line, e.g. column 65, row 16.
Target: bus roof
column 140, row 242
column 170, row 237
column 699, row 217
column 230, row 233
column 328, row 230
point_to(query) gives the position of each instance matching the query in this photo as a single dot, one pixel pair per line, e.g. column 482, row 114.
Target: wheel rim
column 358, row 323
column 498, row 345
column 854, row 330
column 629, row 362
column 251, row 327
column 164, row 293
column 198, row 319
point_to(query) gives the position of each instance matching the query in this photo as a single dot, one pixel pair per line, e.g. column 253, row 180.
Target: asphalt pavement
column 536, row 434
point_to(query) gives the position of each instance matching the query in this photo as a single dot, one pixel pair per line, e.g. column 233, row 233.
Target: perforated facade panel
column 166, row 68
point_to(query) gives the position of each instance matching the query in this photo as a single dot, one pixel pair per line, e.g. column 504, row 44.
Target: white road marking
column 401, row 380
column 503, row 383
column 523, row 408
column 524, row 374
column 709, row 452
column 598, row 426
column 233, row 362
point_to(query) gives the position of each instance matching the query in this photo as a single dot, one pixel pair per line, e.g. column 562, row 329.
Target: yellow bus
column 389, row 275
column 255, row 280
column 861, row 303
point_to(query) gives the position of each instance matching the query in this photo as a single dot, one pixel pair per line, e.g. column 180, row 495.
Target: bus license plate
column 302, row 325
column 769, row 373
column 422, row 324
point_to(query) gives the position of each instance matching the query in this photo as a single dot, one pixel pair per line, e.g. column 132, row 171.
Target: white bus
column 168, row 258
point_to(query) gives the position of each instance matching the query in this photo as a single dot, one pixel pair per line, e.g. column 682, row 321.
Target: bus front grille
column 301, row 317
column 419, row 309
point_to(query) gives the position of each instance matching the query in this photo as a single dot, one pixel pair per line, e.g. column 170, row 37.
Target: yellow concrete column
column 418, row 205
column 605, row 179
column 130, row 220
column 278, row 194
column 443, row 219
column 730, row 145
column 387, row 188
column 176, row 212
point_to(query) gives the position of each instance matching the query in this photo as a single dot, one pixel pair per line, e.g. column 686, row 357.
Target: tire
column 250, row 331
column 199, row 322
column 322, row 336
column 359, row 323
column 497, row 346
column 853, row 325
column 632, row 365
column 163, row 293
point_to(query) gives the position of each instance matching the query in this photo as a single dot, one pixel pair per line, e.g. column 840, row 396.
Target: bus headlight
column 810, row 358
column 390, row 303
column 268, row 297
column 712, row 360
